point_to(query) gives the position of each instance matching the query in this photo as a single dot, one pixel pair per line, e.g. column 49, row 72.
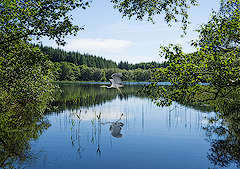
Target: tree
column 120, row 65
column 21, row 64
column 86, row 73
column 216, row 63
column 22, row 75
column 172, row 9
column 25, row 88
column 66, row 71
column 21, row 19
column 97, row 75
column 103, row 74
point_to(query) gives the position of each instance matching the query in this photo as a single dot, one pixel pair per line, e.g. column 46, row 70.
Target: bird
column 115, row 82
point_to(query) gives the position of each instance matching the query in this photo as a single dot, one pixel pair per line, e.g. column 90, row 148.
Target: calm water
column 107, row 130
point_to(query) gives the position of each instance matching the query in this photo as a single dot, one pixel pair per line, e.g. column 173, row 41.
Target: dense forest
column 74, row 66
column 59, row 55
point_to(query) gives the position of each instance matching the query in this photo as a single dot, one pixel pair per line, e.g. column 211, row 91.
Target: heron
column 115, row 82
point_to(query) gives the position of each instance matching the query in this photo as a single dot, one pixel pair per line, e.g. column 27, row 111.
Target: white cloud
column 98, row 45
column 178, row 41
column 106, row 115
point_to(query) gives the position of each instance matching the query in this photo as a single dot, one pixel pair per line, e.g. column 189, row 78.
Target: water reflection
column 76, row 96
column 180, row 114
column 96, row 131
column 115, row 128
column 144, row 131
column 89, row 123
column 224, row 138
column 16, row 131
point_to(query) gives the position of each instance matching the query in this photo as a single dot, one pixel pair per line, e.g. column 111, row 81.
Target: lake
column 99, row 128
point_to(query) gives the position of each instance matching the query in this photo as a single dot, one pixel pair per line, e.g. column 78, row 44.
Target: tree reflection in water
column 222, row 131
column 223, row 134
column 17, row 130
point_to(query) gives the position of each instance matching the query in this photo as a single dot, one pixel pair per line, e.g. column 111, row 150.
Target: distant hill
column 59, row 55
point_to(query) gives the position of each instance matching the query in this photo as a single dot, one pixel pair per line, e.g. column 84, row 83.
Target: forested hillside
column 74, row 66
column 59, row 55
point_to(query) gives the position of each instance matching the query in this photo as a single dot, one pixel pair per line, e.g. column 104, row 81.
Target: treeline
column 73, row 66
column 145, row 66
column 65, row 71
column 59, row 55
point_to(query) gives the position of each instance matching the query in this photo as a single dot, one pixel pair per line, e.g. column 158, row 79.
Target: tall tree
column 24, row 70
column 216, row 62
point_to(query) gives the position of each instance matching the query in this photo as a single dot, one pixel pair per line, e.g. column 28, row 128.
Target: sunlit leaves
column 21, row 19
column 25, row 72
column 174, row 10
column 24, row 94
column 216, row 63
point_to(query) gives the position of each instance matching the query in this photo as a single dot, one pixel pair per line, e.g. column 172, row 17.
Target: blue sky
column 109, row 35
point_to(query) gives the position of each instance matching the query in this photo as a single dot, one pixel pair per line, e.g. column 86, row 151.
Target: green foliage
column 23, row 77
column 65, row 71
column 25, row 72
column 73, row 66
column 24, row 94
column 145, row 66
column 216, row 63
column 58, row 55
column 103, row 78
column 174, row 10
column 21, row 19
